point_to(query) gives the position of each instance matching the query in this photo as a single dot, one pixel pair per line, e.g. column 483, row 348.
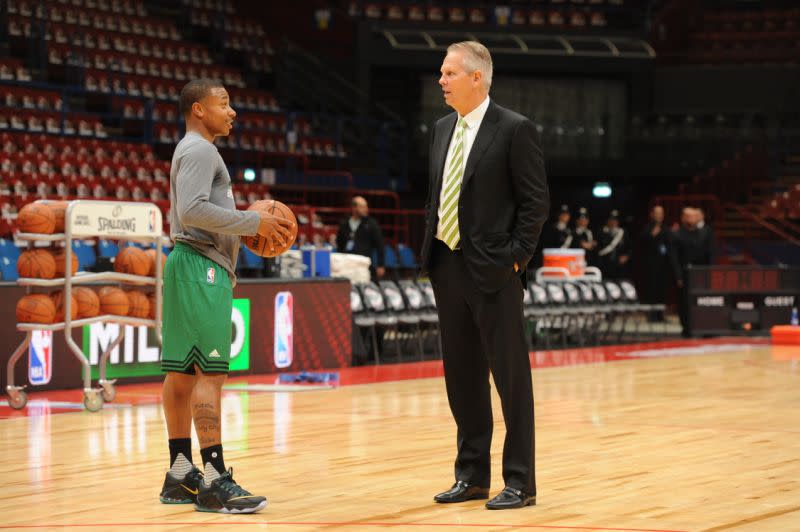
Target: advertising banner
column 277, row 326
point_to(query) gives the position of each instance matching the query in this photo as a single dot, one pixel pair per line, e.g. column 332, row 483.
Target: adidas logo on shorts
column 214, row 354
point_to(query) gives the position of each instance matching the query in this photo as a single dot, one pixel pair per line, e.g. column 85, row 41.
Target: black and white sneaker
column 182, row 490
column 225, row 496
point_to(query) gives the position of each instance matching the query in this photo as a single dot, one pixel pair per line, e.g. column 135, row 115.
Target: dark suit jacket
column 504, row 198
column 691, row 247
column 367, row 240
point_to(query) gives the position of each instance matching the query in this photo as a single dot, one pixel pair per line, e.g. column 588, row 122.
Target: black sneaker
column 181, row 490
column 225, row 496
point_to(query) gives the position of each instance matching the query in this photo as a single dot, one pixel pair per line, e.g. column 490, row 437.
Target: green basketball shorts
column 197, row 313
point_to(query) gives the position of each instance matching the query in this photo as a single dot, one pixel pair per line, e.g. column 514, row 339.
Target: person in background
column 690, row 246
column 360, row 234
column 584, row 238
column 655, row 244
column 706, row 235
column 559, row 234
column 613, row 249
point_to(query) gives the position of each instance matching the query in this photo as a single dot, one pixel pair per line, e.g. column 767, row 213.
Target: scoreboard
column 741, row 299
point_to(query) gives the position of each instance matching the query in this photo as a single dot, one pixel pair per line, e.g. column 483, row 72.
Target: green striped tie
column 452, row 189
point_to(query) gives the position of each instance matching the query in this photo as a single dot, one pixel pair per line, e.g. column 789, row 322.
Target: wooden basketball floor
column 656, row 437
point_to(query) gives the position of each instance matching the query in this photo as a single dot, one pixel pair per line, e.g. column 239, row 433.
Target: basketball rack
column 138, row 222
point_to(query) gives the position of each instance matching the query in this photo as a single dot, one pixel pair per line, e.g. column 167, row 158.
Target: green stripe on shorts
column 197, row 313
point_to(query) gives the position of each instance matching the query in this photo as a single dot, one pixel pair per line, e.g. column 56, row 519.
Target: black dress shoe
column 462, row 491
column 511, row 498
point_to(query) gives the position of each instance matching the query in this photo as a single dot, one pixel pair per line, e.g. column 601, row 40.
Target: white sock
column 210, row 474
column 180, row 467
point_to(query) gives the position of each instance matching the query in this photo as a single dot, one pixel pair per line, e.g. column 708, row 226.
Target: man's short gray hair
column 476, row 57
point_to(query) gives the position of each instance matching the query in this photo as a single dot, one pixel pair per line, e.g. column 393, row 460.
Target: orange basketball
column 113, row 301
column 260, row 245
column 59, row 299
column 35, row 308
column 36, row 263
column 132, row 260
column 36, row 218
column 59, row 209
column 61, row 261
column 151, row 253
column 151, row 298
column 139, row 306
column 88, row 302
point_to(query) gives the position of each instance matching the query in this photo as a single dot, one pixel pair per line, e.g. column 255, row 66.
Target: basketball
column 260, row 245
column 132, row 260
column 88, row 302
column 138, row 305
column 58, row 301
column 59, row 209
column 151, row 253
column 36, row 263
column 113, row 301
column 61, row 259
column 36, row 218
column 35, row 308
column 151, row 298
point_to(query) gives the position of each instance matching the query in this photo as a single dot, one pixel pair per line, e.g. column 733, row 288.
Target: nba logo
column 40, row 357
column 151, row 221
column 284, row 327
column 210, row 276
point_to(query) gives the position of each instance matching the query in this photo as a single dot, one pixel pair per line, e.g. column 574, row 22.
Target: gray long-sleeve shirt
column 203, row 213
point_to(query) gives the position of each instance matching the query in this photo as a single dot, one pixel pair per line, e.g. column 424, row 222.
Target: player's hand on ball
column 276, row 229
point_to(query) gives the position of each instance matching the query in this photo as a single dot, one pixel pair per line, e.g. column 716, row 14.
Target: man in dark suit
column 706, row 235
column 361, row 234
column 691, row 245
column 655, row 244
column 487, row 203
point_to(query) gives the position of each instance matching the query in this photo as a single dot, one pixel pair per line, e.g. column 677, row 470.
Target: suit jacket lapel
column 440, row 151
column 486, row 134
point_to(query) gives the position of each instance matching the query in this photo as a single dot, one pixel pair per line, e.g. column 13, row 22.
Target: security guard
column 584, row 238
column 613, row 249
column 559, row 234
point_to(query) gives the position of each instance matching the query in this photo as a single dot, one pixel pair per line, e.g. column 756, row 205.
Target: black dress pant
column 655, row 288
column 483, row 333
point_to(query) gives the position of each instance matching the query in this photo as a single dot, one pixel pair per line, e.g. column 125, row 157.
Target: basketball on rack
column 113, row 301
column 59, row 209
column 36, row 218
column 132, row 260
column 260, row 245
column 61, row 260
column 58, row 301
column 88, row 302
column 138, row 305
column 35, row 308
column 36, row 263
column 152, row 254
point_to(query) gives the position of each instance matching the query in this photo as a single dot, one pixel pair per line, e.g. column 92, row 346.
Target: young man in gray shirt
column 198, row 282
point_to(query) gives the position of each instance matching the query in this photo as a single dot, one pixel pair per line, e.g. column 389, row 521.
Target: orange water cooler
column 572, row 260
